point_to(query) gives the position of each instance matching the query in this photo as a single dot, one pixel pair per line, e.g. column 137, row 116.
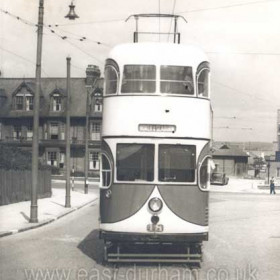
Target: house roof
column 78, row 94
column 229, row 151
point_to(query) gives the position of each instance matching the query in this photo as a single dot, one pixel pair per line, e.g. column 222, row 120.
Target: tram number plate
column 155, row 228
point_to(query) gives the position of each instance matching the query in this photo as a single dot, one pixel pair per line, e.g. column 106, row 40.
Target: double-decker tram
column 155, row 163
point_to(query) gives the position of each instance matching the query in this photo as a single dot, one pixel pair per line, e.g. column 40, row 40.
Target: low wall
column 15, row 185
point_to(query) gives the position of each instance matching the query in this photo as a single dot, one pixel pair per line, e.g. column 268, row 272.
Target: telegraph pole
column 86, row 141
column 68, row 195
column 36, row 108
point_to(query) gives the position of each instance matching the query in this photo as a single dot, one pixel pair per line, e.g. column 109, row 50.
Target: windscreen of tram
column 135, row 162
column 139, row 79
column 177, row 163
column 176, row 80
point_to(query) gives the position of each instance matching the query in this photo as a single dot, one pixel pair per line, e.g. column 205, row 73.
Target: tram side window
column 135, row 162
column 139, row 79
column 203, row 80
column 204, row 174
column 111, row 80
column 106, row 172
column 177, row 163
column 176, row 80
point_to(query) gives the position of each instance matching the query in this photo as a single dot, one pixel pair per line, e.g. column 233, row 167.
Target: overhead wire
column 23, row 58
column 227, row 6
column 54, row 32
column 245, row 93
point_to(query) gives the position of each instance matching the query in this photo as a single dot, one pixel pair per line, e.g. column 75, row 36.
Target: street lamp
column 71, row 15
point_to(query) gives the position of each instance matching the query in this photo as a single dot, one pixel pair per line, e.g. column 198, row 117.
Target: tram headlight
column 155, row 204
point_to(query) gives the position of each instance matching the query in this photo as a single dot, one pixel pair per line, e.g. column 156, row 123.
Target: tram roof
column 158, row 54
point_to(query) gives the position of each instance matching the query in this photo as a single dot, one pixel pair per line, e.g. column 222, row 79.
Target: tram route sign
column 157, row 128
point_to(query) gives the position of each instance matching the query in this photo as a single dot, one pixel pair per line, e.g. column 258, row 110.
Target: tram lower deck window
column 177, row 163
column 135, row 162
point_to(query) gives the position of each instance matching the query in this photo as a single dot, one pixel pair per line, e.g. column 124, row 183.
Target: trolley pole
column 35, row 138
column 67, row 135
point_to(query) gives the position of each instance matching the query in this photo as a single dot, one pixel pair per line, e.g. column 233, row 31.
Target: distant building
column 278, row 130
column 16, row 117
column 274, row 161
column 230, row 160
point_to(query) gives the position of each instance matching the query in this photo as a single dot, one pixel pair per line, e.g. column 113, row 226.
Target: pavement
column 14, row 218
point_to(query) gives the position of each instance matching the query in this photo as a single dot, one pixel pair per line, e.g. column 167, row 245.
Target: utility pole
column 86, row 140
column 36, row 108
column 67, row 134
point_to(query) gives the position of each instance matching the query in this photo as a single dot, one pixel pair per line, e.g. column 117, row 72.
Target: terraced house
column 16, row 118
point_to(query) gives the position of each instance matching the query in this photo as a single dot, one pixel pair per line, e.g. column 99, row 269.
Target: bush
column 14, row 158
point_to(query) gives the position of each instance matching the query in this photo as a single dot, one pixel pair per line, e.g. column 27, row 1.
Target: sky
column 240, row 37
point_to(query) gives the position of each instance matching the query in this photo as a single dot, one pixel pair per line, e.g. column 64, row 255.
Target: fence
column 15, row 185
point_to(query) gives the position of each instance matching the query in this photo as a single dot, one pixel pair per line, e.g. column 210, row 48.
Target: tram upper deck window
column 111, row 80
column 177, row 163
column 176, row 80
column 139, row 79
column 135, row 162
column 203, row 80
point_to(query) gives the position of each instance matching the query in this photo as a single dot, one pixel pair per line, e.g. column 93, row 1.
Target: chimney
column 92, row 72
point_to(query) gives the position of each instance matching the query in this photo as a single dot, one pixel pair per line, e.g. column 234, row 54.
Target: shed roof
column 229, row 151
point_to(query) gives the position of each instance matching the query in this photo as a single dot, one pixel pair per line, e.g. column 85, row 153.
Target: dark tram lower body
column 154, row 199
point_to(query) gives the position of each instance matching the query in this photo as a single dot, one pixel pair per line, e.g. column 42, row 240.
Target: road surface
column 244, row 245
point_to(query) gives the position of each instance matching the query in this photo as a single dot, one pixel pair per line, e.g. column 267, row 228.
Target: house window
column 29, row 133
column 95, row 131
column 56, row 103
column 52, row 158
column 29, row 103
column 62, row 160
column 17, row 132
column 62, row 131
column 23, row 101
column 97, row 102
column 278, row 172
column 53, row 130
column 19, row 103
column 93, row 161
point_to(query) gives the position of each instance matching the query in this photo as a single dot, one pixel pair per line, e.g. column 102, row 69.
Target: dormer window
column 96, row 102
column 56, row 103
column 23, row 97
column 56, row 100
column 23, row 102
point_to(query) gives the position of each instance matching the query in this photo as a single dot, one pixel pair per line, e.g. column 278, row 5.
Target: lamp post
column 268, row 170
column 68, row 193
column 35, row 139
column 86, row 139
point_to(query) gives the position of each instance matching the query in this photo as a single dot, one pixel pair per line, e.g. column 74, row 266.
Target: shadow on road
column 92, row 246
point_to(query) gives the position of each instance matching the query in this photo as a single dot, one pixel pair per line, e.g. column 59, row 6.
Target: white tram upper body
column 156, row 135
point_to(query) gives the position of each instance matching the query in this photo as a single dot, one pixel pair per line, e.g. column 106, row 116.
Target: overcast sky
column 241, row 38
